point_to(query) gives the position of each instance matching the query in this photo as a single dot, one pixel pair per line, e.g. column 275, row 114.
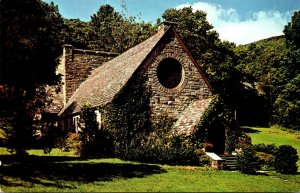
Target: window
column 169, row 73
column 98, row 117
column 76, row 123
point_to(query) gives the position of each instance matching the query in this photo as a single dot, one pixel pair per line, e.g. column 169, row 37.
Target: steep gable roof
column 107, row 80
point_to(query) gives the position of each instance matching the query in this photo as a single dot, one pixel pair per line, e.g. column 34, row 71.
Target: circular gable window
column 169, row 73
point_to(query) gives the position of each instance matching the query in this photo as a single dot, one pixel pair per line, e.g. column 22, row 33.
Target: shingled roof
column 107, row 80
column 190, row 117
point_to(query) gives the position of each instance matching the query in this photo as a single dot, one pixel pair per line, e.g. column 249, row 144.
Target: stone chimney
column 77, row 64
column 166, row 24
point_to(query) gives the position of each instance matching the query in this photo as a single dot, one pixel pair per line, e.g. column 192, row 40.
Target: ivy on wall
column 128, row 116
column 218, row 115
column 137, row 137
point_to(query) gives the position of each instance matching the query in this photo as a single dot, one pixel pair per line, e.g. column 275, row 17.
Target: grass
column 275, row 135
column 70, row 174
column 64, row 172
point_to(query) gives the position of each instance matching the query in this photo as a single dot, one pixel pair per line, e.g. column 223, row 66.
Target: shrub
column 247, row 161
column 285, row 160
column 70, row 142
column 266, row 160
column 94, row 142
column 173, row 151
column 269, row 148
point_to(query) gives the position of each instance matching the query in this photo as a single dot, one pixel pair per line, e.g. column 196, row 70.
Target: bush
column 266, row 160
column 247, row 161
column 71, row 141
column 173, row 151
column 286, row 160
column 94, row 142
column 269, row 148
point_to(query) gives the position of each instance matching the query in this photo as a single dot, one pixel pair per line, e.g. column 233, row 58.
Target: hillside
column 269, row 72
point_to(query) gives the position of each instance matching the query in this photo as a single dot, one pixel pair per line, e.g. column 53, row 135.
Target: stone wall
column 173, row 102
column 78, row 65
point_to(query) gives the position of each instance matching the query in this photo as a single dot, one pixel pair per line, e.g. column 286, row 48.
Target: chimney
column 166, row 24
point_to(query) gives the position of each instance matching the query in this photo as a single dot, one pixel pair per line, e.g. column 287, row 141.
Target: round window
column 169, row 73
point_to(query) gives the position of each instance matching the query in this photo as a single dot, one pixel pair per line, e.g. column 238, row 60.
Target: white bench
column 216, row 161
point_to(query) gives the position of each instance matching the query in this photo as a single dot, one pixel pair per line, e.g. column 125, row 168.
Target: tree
column 287, row 105
column 194, row 29
column 30, row 42
column 291, row 31
column 76, row 33
column 113, row 32
column 264, row 68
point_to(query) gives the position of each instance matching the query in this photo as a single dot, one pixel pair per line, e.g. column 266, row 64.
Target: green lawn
column 64, row 172
column 71, row 174
column 277, row 136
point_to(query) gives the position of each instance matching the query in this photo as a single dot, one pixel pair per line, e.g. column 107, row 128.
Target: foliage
column 270, row 69
column 247, row 161
column 173, row 150
column 287, row 105
column 113, row 32
column 243, row 140
column 68, row 142
column 285, row 160
column 217, row 115
column 266, row 154
column 138, row 137
column 76, row 33
column 30, row 43
column 47, row 139
column 266, row 160
column 276, row 135
column 266, row 148
column 291, row 31
column 193, row 28
column 261, row 67
column 88, row 128
column 94, row 141
column 164, row 147
column 128, row 116
column 108, row 30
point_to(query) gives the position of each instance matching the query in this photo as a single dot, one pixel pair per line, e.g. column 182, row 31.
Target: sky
column 238, row 21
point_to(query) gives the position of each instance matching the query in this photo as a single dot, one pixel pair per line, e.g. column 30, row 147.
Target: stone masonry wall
column 78, row 66
column 172, row 102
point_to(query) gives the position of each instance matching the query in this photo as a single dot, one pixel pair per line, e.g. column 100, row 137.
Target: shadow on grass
column 57, row 171
column 250, row 130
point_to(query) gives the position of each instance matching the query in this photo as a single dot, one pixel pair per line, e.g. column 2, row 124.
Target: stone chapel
column 177, row 84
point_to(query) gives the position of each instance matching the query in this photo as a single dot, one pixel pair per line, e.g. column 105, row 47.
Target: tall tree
column 193, row 28
column 76, row 32
column 30, row 42
column 287, row 105
column 292, row 31
column 113, row 32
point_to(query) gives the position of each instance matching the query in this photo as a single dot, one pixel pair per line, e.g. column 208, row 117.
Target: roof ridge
column 137, row 55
